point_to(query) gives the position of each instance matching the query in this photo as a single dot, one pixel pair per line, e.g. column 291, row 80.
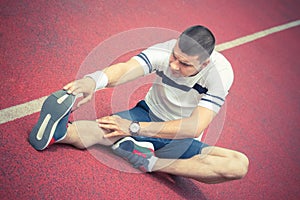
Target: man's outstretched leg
column 53, row 125
column 84, row 133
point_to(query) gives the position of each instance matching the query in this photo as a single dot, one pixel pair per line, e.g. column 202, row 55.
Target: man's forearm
column 190, row 127
column 175, row 129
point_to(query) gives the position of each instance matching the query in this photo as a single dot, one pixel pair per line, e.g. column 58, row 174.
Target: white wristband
column 100, row 78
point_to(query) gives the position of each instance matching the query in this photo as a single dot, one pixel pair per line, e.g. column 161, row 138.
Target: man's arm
column 190, row 127
column 123, row 72
column 115, row 75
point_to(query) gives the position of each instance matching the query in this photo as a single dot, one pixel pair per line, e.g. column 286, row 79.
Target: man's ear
column 206, row 63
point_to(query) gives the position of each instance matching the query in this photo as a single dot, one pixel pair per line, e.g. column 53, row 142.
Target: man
column 160, row 133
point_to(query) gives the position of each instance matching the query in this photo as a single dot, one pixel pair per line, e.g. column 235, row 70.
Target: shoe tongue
column 127, row 146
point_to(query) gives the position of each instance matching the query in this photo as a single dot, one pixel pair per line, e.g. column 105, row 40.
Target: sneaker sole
column 148, row 145
column 54, row 108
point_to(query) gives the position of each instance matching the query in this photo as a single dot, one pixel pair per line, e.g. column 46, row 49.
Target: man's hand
column 86, row 86
column 116, row 126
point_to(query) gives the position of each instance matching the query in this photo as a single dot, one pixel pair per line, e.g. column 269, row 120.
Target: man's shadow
column 184, row 187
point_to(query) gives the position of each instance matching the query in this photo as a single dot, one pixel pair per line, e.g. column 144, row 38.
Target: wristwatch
column 134, row 128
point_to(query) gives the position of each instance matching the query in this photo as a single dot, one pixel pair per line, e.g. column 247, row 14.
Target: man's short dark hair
column 197, row 40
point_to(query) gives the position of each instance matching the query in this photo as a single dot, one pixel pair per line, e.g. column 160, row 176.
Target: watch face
column 134, row 127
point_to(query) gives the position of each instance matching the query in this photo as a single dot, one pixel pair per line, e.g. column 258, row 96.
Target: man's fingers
column 107, row 120
column 68, row 86
column 115, row 126
column 116, row 116
column 109, row 127
column 112, row 134
column 109, row 135
column 72, row 88
column 76, row 89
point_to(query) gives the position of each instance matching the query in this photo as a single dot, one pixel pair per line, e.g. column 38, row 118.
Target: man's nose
column 174, row 65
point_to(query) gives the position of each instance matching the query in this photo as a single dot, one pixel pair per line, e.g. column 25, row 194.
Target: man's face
column 183, row 65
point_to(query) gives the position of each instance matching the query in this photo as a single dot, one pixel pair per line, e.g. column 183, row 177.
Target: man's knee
column 239, row 164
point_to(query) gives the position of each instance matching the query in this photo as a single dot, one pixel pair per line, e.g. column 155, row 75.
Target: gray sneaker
column 52, row 123
column 139, row 154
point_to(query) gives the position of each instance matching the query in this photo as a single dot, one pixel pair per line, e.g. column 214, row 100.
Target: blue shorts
column 164, row 148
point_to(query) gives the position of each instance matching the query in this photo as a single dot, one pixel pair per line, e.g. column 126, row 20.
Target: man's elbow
column 198, row 133
column 193, row 133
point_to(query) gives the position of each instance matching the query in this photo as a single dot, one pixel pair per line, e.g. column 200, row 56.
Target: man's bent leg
column 83, row 134
column 209, row 165
column 214, row 165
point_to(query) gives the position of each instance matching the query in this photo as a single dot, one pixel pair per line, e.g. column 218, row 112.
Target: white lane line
column 21, row 110
column 255, row 36
column 28, row 108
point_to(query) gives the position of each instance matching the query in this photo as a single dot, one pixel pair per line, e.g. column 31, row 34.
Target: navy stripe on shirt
column 211, row 101
column 216, row 97
column 166, row 80
column 146, row 60
column 200, row 89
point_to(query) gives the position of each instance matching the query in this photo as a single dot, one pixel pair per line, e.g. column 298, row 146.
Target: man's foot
column 139, row 154
column 53, row 120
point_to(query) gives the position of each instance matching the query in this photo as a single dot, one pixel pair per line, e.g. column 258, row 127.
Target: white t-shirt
column 172, row 98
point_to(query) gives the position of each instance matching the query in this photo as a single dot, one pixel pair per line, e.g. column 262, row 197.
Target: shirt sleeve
column 155, row 56
column 218, row 83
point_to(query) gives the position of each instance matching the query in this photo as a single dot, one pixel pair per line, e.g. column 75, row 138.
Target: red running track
column 43, row 43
